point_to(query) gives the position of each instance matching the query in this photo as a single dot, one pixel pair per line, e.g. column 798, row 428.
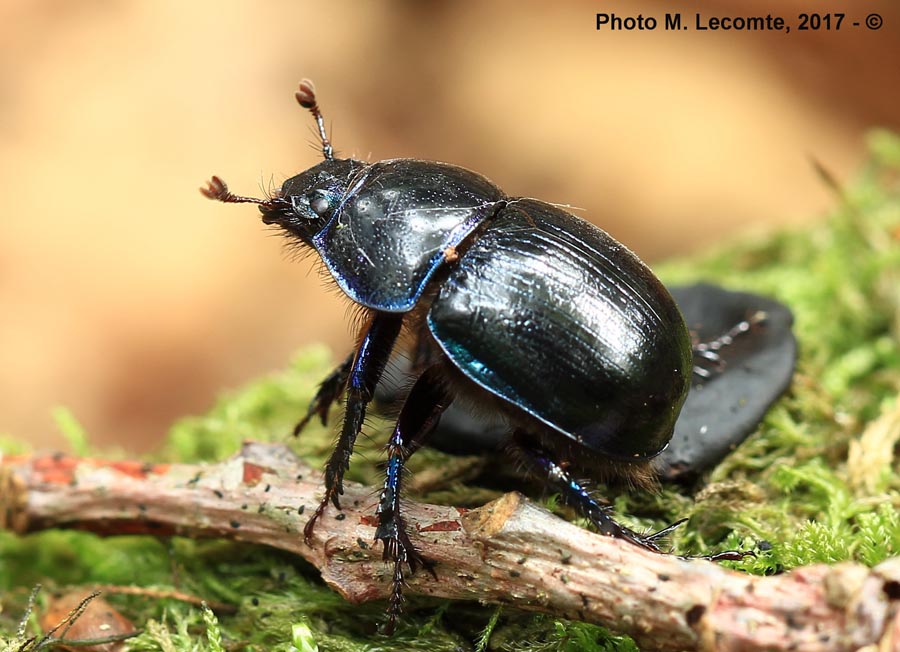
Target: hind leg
column 707, row 360
column 543, row 464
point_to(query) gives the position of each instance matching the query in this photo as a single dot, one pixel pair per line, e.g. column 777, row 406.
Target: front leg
column 368, row 364
column 329, row 391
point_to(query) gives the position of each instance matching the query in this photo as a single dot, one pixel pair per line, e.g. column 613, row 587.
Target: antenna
column 306, row 97
column 218, row 190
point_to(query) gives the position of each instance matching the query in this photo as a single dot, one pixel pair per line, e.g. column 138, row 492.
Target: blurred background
column 130, row 299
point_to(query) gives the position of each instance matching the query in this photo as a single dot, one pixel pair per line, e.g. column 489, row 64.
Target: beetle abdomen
column 551, row 314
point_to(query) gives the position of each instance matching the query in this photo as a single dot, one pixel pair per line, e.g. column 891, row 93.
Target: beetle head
column 305, row 203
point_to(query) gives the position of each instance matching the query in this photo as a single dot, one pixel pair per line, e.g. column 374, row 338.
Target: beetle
column 510, row 302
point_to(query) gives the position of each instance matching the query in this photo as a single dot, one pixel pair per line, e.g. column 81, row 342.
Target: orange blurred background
column 132, row 300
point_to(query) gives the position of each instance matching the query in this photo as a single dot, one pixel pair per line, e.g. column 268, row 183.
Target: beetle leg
column 578, row 497
column 421, row 354
column 329, row 391
column 575, row 495
column 708, row 352
column 368, row 364
column 420, row 414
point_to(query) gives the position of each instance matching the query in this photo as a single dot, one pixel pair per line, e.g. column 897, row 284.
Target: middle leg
column 419, row 416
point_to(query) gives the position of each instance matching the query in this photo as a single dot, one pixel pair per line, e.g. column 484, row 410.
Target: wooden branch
column 508, row 552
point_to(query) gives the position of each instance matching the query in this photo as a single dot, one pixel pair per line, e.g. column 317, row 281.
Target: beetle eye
column 319, row 205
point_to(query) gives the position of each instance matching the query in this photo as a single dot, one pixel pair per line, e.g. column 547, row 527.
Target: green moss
column 72, row 430
column 816, row 483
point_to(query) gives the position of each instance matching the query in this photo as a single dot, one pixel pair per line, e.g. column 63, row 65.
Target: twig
column 507, row 552
column 163, row 594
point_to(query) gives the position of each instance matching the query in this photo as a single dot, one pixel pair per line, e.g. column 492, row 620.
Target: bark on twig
column 507, row 552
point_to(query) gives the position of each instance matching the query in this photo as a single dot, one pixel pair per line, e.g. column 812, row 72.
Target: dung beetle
column 510, row 303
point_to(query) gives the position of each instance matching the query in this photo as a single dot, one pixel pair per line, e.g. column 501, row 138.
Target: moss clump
column 816, row 482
